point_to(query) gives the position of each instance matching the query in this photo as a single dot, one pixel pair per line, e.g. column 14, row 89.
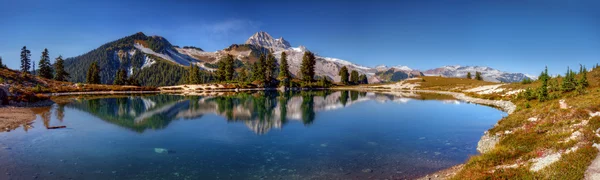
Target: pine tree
column 478, row 76
column 270, row 67
column 284, row 72
column 582, row 83
column 1, row 65
column 229, row 68
column 93, row 74
column 25, row 60
column 343, row 73
column 225, row 70
column 45, row 69
column 568, row 83
column 259, row 70
column 242, row 75
column 354, row 77
column 543, row 89
column 363, row 79
column 194, row 74
column 307, row 68
column 61, row 74
column 468, row 75
column 121, row 77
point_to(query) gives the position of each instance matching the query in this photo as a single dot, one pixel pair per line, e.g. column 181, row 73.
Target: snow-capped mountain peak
column 402, row 68
column 263, row 39
column 488, row 74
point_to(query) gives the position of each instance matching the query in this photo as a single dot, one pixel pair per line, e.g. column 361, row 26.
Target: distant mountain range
column 154, row 61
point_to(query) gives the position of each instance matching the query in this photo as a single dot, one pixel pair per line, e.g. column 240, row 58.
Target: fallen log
column 56, row 127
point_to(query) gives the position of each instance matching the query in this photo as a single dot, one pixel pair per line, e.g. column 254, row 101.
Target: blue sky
column 510, row 35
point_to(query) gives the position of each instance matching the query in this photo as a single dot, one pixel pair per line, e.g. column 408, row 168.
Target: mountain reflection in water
column 260, row 111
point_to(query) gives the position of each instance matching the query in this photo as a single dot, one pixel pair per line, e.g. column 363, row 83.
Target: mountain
column 154, row 61
column 488, row 74
column 263, row 39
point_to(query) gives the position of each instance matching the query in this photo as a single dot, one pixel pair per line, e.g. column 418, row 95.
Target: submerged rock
column 367, row 170
column 162, row 151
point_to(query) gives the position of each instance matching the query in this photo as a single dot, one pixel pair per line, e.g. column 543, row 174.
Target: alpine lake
column 246, row 135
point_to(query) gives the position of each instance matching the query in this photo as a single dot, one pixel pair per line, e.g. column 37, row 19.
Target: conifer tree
column 284, row 72
column 582, row 83
column 229, row 68
column 568, row 83
column 25, row 60
column 583, row 80
column 1, row 65
column 363, row 79
column 259, row 70
column 343, row 73
column 45, row 69
column 354, row 77
column 270, row 67
column 543, row 89
column 121, row 77
column 478, row 76
column 242, row 75
column 60, row 73
column 225, row 70
column 468, row 75
column 194, row 74
column 307, row 68
column 93, row 74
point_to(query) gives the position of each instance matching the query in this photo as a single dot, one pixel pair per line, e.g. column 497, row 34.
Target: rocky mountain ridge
column 143, row 56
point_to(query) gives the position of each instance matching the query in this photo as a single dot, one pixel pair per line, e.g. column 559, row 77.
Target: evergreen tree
column 468, row 75
column 121, row 77
column 194, row 74
column 229, row 68
column 25, row 60
column 270, row 67
column 93, row 74
column 354, row 77
column 242, row 75
column 568, row 83
column 582, row 83
column 343, row 73
column 1, row 65
column 259, row 70
column 220, row 72
column 225, row 70
column 45, row 69
column 478, row 76
column 543, row 90
column 284, row 72
column 553, row 85
column 307, row 68
column 363, row 79
column 60, row 73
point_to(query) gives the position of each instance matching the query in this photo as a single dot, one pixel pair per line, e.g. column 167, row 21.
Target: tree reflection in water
column 261, row 111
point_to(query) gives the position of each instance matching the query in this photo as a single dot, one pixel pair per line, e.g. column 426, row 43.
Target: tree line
column 554, row 87
column 45, row 68
column 264, row 72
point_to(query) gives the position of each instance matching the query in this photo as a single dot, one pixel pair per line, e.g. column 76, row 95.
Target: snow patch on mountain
column 170, row 55
column 488, row 74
